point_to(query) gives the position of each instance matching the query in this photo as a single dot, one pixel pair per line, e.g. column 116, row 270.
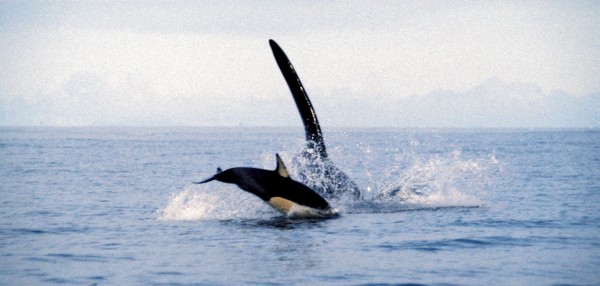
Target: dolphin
column 277, row 189
column 315, row 168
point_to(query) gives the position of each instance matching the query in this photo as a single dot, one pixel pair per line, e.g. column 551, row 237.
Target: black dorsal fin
column 314, row 136
column 281, row 169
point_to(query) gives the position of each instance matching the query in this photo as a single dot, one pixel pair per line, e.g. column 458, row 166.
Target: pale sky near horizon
column 386, row 63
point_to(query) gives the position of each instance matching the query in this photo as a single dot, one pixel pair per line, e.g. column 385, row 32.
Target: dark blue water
column 115, row 206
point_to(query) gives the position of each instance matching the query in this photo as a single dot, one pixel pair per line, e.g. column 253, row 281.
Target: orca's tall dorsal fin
column 305, row 108
column 281, row 169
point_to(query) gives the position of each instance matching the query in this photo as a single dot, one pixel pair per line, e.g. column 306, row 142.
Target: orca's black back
column 268, row 184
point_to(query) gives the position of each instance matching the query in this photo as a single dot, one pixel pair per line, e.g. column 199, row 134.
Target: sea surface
column 116, row 206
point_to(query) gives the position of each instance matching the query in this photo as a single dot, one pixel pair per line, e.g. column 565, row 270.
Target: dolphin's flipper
column 307, row 112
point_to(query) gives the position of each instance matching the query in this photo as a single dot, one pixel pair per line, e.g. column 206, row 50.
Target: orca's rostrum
column 277, row 189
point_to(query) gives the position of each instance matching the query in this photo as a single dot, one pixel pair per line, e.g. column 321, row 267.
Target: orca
column 277, row 189
column 315, row 169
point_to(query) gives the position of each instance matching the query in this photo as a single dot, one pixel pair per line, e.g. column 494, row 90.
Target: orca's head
column 232, row 176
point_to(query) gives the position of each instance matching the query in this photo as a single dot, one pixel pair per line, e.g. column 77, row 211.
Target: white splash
column 205, row 202
column 440, row 181
column 412, row 182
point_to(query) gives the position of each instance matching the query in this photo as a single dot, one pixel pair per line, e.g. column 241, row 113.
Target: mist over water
column 84, row 206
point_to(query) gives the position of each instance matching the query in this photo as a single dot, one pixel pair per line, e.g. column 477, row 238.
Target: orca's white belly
column 292, row 209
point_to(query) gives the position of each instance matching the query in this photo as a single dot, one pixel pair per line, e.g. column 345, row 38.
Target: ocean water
column 115, row 206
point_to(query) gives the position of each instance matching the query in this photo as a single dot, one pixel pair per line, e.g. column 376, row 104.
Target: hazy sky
column 396, row 63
